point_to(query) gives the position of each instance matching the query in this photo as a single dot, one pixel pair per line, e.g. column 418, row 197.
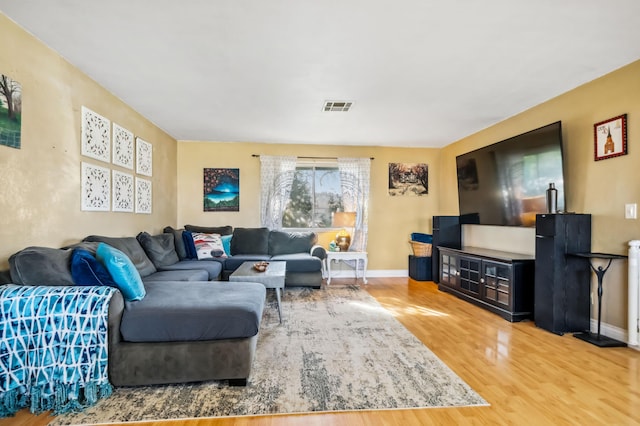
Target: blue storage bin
column 422, row 238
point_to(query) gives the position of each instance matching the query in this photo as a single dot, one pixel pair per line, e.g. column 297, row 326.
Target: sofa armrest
column 318, row 251
column 116, row 309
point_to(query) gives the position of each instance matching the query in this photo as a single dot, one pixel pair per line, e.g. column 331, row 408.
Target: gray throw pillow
column 132, row 248
column 160, row 248
column 281, row 242
column 41, row 266
column 178, row 242
column 250, row 241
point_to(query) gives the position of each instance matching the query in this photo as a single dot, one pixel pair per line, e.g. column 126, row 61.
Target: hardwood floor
column 528, row 375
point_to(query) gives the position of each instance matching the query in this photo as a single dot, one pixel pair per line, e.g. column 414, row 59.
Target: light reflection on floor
column 500, row 351
column 398, row 311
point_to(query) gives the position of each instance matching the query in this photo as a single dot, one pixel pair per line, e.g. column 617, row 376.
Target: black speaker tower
column 446, row 232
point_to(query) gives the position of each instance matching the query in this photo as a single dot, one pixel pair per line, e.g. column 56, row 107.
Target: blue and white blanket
column 53, row 348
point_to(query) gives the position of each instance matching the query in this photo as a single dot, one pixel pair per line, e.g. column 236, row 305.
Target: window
column 315, row 195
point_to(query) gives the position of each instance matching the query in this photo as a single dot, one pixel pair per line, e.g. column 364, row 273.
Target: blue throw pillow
column 226, row 244
column 123, row 272
column 86, row 270
column 189, row 245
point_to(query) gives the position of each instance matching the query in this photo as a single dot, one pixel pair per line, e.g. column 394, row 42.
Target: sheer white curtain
column 354, row 179
column 276, row 179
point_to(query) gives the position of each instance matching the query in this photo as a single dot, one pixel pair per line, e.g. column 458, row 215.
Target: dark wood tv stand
column 501, row 282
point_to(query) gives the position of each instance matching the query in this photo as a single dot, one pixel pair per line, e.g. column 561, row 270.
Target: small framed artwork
column 96, row 136
column 408, row 179
column 221, row 190
column 610, row 137
column 10, row 112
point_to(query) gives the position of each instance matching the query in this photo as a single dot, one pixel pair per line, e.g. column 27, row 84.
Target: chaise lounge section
column 185, row 332
column 175, row 332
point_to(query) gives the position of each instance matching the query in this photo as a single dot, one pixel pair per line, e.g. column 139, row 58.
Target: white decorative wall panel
column 96, row 136
column 122, row 192
column 144, row 199
column 144, row 157
column 96, row 188
column 122, row 147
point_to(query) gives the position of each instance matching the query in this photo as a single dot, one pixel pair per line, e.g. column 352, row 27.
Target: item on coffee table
column 260, row 266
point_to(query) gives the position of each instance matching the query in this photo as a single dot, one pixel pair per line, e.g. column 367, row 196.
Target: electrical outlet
column 631, row 211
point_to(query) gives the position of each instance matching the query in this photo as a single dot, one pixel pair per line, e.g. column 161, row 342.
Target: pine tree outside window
column 316, row 193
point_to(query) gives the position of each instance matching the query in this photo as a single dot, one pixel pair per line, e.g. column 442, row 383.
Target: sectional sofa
column 190, row 324
column 305, row 259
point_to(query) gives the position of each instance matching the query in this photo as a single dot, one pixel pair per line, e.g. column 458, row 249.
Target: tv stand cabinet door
column 449, row 274
column 469, row 270
column 497, row 278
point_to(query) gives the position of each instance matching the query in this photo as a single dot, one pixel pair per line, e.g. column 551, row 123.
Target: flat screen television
column 505, row 183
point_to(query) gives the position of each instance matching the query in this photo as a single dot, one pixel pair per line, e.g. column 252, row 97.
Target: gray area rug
column 336, row 350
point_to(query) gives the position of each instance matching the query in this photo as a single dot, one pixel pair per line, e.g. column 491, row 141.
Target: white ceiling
column 421, row 73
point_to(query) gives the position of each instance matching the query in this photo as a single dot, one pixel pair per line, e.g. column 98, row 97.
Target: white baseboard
column 378, row 273
column 382, row 273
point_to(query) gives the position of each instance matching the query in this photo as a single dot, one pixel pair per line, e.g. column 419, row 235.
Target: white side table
column 337, row 256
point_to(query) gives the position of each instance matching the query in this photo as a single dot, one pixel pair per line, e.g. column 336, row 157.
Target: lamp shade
column 344, row 219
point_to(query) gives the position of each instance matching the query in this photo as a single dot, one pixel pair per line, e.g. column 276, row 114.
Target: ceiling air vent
column 330, row 106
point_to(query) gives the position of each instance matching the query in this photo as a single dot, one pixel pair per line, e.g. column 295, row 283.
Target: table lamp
column 343, row 220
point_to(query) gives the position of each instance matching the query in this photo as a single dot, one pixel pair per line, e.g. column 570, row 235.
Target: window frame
column 314, row 163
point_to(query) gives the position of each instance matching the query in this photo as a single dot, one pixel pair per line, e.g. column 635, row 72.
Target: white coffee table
column 337, row 256
column 273, row 277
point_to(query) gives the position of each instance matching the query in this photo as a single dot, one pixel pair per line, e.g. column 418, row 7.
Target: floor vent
column 330, row 106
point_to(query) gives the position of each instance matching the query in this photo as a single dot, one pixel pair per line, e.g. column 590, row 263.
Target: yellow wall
column 599, row 188
column 391, row 219
column 40, row 195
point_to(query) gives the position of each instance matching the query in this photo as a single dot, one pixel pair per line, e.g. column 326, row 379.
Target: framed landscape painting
column 408, row 179
column 10, row 112
column 221, row 190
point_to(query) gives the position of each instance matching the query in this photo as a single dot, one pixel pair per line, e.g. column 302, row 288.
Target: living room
column 41, row 194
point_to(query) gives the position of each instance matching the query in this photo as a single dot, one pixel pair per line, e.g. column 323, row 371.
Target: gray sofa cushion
column 178, row 311
column 232, row 263
column 281, row 242
column 300, row 262
column 212, row 266
column 41, row 266
column 250, row 241
column 132, row 248
column 222, row 230
column 159, row 248
column 178, row 275
column 178, row 242
column 5, row 277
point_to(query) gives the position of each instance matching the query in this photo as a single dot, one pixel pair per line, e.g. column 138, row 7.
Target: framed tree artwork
column 10, row 112
column 408, row 179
